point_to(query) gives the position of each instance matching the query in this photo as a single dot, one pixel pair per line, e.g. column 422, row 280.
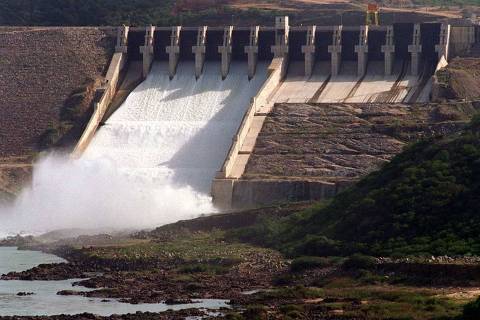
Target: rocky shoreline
column 197, row 259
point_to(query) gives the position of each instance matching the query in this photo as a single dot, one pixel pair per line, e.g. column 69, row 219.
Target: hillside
column 199, row 12
column 41, row 69
column 424, row 202
column 461, row 78
column 47, row 84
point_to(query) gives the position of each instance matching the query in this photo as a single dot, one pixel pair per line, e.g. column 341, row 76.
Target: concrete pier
column 199, row 50
column 415, row 50
column 309, row 50
column 280, row 49
column 388, row 50
column 122, row 40
column 335, row 50
column 147, row 50
column 252, row 51
column 362, row 51
column 226, row 50
column 173, row 51
column 444, row 43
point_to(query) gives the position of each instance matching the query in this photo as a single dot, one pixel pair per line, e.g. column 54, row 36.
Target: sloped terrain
column 41, row 68
column 342, row 142
column 461, row 79
column 423, row 202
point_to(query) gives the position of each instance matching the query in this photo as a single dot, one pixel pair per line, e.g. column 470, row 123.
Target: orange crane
column 372, row 14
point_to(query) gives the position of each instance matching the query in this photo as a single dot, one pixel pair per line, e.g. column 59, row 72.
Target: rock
column 171, row 301
column 70, row 293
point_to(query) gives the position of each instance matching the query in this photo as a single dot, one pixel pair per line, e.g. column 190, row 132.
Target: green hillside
column 425, row 201
column 118, row 12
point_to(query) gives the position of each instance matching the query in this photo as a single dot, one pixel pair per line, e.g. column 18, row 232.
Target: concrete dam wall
column 210, row 94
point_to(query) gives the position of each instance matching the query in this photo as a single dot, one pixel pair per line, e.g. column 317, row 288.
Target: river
column 46, row 302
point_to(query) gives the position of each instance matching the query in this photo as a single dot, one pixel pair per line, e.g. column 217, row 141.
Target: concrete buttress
column 443, row 46
column 309, row 50
column 388, row 50
column 226, row 50
column 252, row 51
column 415, row 50
column 199, row 50
column 122, row 40
column 335, row 50
column 280, row 49
column 173, row 51
column 362, row 51
column 147, row 50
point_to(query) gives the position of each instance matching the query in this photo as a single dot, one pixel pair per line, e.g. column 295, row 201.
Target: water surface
column 45, row 300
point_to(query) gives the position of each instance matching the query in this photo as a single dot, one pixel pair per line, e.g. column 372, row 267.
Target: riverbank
column 198, row 259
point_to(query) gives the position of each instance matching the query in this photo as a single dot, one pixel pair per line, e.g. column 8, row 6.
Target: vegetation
column 86, row 12
column 471, row 310
column 199, row 251
column 424, row 202
column 74, row 114
column 116, row 12
column 304, row 263
column 361, row 302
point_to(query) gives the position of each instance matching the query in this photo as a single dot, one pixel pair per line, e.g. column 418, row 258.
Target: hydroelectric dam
column 261, row 115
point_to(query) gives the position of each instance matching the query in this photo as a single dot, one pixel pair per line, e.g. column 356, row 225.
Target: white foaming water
column 151, row 163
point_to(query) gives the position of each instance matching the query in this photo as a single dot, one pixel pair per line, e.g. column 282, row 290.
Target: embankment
column 41, row 68
column 43, row 72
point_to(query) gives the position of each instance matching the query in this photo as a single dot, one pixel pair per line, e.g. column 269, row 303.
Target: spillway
column 177, row 132
column 374, row 86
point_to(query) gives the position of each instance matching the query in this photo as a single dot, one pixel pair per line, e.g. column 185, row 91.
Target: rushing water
column 152, row 162
column 45, row 301
column 178, row 132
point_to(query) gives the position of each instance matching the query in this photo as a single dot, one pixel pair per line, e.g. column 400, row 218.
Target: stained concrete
column 374, row 86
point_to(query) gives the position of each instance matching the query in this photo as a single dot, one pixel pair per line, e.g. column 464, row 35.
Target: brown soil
column 41, row 67
column 461, row 79
column 15, row 172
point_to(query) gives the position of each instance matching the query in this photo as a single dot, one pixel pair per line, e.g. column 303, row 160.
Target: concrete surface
column 374, row 86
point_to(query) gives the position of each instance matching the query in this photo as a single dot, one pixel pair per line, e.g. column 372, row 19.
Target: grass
column 372, row 302
column 198, row 247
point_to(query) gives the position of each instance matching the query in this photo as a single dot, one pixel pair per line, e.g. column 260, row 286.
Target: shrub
column 471, row 311
column 256, row 312
column 203, row 268
column 359, row 261
column 318, row 246
column 50, row 136
column 283, row 279
column 234, row 316
column 306, row 263
column 475, row 122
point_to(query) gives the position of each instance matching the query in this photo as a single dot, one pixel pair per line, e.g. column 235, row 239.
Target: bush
column 203, row 268
column 359, row 261
column 317, row 246
column 471, row 311
column 306, row 263
column 50, row 136
column 234, row 316
column 283, row 279
column 475, row 122
column 256, row 312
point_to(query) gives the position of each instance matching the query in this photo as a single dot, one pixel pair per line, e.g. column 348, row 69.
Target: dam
column 212, row 103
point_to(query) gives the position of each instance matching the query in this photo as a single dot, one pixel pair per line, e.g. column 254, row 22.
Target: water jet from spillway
column 151, row 163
